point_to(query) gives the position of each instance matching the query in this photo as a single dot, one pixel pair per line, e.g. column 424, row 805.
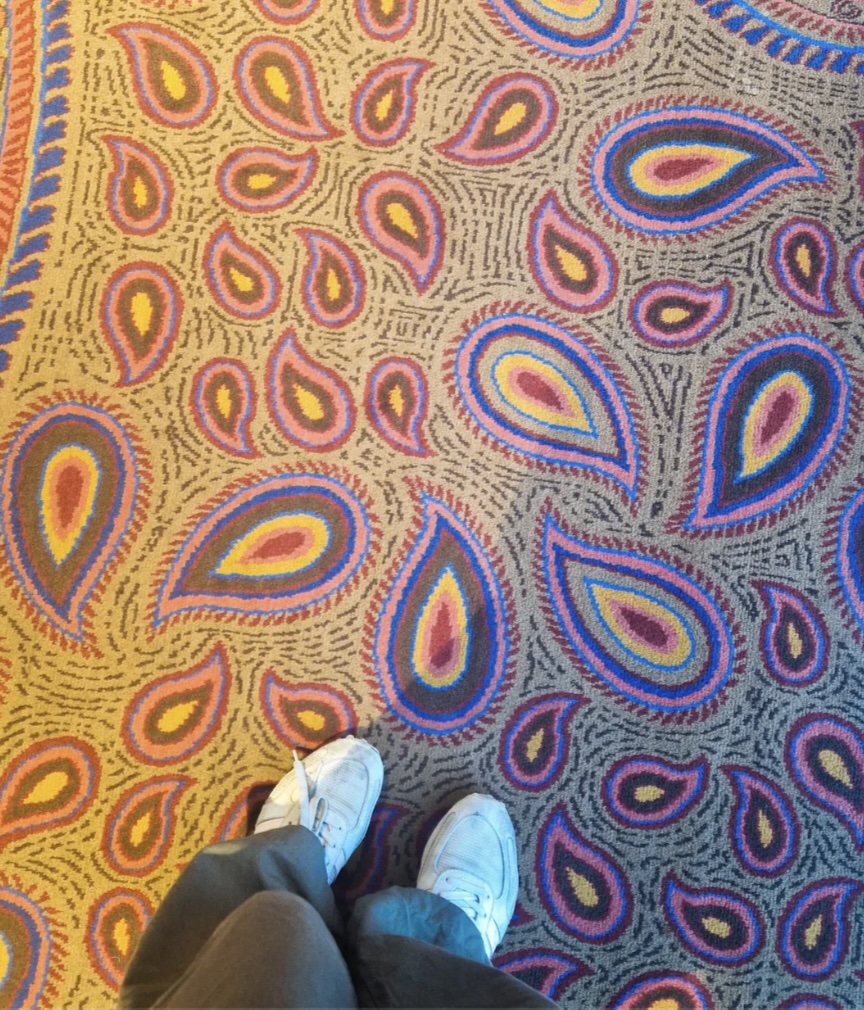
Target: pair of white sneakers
column 470, row 859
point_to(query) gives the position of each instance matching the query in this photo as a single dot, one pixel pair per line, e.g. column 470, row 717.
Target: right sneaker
column 471, row 861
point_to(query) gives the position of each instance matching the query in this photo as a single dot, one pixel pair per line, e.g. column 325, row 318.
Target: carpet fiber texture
column 484, row 378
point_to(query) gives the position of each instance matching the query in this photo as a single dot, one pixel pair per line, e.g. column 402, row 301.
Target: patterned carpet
column 485, row 377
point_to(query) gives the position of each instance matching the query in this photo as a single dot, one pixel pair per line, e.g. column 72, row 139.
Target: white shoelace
column 329, row 834
column 469, row 894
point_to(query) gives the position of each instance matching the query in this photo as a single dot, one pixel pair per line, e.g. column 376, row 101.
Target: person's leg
column 273, row 951
column 431, row 946
column 310, row 825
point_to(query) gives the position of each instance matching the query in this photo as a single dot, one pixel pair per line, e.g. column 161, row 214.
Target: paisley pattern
column 271, row 546
column 71, row 481
column 855, row 276
column 439, row 637
column 674, row 314
column 813, row 935
column 140, row 193
column 644, row 630
column 590, row 32
column 663, row 991
column 825, row 758
column 550, row 972
column 263, row 179
column 173, row 82
column 304, row 715
column 140, row 826
column 402, row 218
column 383, row 107
column 514, row 115
column 763, row 827
column 114, row 926
column 804, row 261
column 848, row 555
column 223, row 404
column 239, row 277
column 333, row 283
column 276, row 85
column 387, row 20
column 583, row 890
column 535, row 390
column 141, row 314
column 647, row 792
column 287, row 11
column 572, row 265
column 678, row 169
column 534, row 745
column 49, row 784
column 31, row 954
column 716, row 925
column 396, row 404
column 778, row 417
column 795, row 641
column 311, row 404
column 173, row 717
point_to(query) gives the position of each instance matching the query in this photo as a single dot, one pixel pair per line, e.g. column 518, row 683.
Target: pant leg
column 273, row 951
column 216, row 883
column 410, row 948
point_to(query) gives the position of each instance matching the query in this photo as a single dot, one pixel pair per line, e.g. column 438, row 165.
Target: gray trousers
column 253, row 923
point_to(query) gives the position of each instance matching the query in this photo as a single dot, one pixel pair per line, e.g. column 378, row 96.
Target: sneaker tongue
column 476, row 852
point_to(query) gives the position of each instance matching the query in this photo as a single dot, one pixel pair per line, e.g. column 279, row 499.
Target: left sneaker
column 332, row 792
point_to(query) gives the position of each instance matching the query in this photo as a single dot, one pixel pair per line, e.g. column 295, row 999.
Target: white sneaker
column 471, row 860
column 332, row 792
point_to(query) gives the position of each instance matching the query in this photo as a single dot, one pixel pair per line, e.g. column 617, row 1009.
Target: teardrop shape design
column 582, row 888
column 804, row 261
column 262, row 179
column 311, row 404
column 52, row 782
column 239, row 277
column 334, row 286
column 592, row 32
column 90, row 499
column 550, row 972
column 825, row 758
column 668, row 990
column 370, row 868
column 223, row 401
column 647, row 792
column 795, row 641
column 845, row 538
column 813, row 935
column 439, row 641
column 763, row 828
column 715, row 924
column 807, row 1002
column 140, row 827
column 141, row 312
column 275, row 82
column 396, row 404
column 304, row 715
column 241, row 816
column 855, row 276
column 678, row 169
column 140, row 193
column 386, row 19
column 572, row 265
column 173, row 717
column 31, row 951
column 514, row 115
column 173, row 82
column 383, row 104
column 286, row 544
column 777, row 420
column 534, row 390
column 675, row 314
column 404, row 221
column 665, row 615
column 114, row 927
column 535, row 741
column 286, row 11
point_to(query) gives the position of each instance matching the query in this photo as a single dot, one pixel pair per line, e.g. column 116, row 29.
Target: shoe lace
column 329, row 832
column 469, row 894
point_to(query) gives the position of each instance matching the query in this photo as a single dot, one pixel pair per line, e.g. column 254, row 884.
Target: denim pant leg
column 214, row 918
column 410, row 948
